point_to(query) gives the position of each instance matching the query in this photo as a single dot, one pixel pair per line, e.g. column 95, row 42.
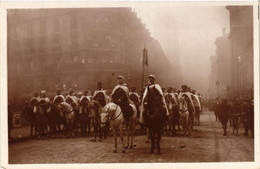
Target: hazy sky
column 189, row 33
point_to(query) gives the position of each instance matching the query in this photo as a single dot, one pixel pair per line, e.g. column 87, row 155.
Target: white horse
column 112, row 113
column 184, row 115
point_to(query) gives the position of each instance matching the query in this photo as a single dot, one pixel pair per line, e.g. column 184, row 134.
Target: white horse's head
column 104, row 118
column 108, row 112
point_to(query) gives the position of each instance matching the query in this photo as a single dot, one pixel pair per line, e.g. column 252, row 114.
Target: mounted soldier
column 197, row 106
column 133, row 95
column 100, row 95
column 59, row 97
column 149, row 86
column 72, row 100
column 154, row 112
column 120, row 96
column 45, row 102
column 188, row 98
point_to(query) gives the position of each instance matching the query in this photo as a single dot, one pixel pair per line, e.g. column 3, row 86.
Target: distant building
column 219, row 80
column 241, row 43
column 49, row 48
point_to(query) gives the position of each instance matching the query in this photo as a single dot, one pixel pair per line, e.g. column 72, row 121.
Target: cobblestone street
column 206, row 144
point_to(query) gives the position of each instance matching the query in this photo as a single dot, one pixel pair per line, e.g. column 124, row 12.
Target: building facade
column 75, row 48
column 220, row 78
column 241, row 43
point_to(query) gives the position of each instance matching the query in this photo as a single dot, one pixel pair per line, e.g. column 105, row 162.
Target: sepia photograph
column 137, row 82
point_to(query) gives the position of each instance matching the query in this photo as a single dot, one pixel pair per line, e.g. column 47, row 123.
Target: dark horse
column 95, row 110
column 84, row 119
column 154, row 116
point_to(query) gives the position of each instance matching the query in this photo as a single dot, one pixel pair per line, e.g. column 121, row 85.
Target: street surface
column 206, row 144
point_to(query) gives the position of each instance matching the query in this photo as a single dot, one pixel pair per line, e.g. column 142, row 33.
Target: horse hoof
column 159, row 152
column 151, row 152
column 114, row 151
column 123, row 151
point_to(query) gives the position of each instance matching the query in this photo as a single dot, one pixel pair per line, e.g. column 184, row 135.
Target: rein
column 183, row 110
column 114, row 114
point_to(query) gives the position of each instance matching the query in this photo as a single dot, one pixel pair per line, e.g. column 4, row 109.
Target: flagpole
column 143, row 75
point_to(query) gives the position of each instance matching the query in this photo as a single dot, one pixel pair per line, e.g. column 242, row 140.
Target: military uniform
column 159, row 89
column 101, row 97
column 122, row 99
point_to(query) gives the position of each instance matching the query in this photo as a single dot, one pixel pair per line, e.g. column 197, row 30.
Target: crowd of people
column 236, row 111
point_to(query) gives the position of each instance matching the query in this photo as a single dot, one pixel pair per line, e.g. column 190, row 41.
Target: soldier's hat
column 120, row 77
column 43, row 92
column 133, row 88
column 169, row 89
column 151, row 76
column 58, row 89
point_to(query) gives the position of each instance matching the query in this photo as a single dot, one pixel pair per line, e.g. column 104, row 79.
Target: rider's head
column 85, row 92
column 35, row 94
column 71, row 91
column 184, row 88
column 79, row 94
column 99, row 85
column 58, row 91
column 169, row 90
column 120, row 80
column 132, row 89
column 193, row 91
column 43, row 93
column 151, row 79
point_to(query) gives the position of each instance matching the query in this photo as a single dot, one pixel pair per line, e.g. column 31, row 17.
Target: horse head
column 104, row 118
column 94, row 108
column 183, row 105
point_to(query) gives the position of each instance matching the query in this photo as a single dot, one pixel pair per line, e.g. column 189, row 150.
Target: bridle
column 183, row 110
column 110, row 118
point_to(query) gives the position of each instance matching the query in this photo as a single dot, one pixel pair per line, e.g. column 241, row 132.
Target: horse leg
column 89, row 125
column 158, row 142
column 84, row 128
column 173, row 126
column 133, row 134
column 147, row 135
column 152, row 141
column 115, row 138
column 122, row 138
column 199, row 119
column 127, row 134
column 100, row 131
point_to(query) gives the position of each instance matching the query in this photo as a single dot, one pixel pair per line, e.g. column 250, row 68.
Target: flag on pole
column 145, row 57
